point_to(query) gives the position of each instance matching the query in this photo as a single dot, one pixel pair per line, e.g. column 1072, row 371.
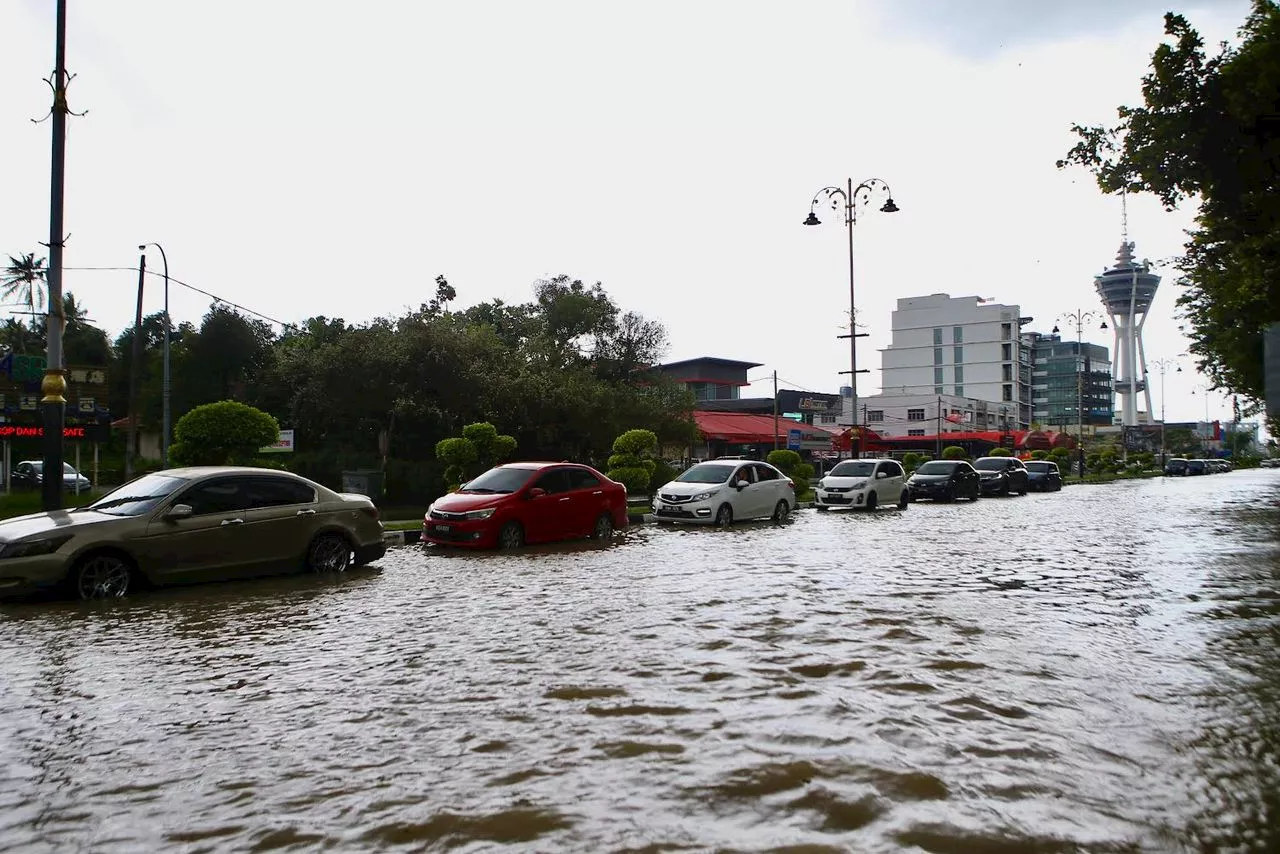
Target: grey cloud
column 981, row 28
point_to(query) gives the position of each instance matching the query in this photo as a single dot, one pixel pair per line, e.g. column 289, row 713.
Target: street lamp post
column 1078, row 320
column 1163, row 365
column 164, row 423
column 852, row 197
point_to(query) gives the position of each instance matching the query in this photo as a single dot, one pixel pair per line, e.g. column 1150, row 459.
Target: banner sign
column 282, row 445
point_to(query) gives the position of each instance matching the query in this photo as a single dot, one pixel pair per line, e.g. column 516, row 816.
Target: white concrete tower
column 1127, row 290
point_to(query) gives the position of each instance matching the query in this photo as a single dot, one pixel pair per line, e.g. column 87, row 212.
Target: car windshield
column 992, row 463
column 67, row 468
column 1042, row 468
column 140, row 496
column 499, row 481
column 937, row 468
column 707, row 473
column 854, row 468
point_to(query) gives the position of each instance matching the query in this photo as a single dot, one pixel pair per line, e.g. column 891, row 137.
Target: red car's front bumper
column 474, row 534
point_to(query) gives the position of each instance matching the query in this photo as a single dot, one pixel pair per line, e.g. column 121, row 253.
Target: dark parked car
column 1196, row 467
column 945, row 480
column 1176, row 466
column 29, row 474
column 519, row 503
column 1002, row 475
column 1043, row 476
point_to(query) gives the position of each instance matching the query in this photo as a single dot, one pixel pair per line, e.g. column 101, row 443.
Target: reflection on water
column 1093, row 670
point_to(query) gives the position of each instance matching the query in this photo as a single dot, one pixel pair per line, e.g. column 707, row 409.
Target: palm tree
column 24, row 279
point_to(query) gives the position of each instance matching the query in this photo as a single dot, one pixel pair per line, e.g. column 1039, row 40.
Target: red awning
column 742, row 428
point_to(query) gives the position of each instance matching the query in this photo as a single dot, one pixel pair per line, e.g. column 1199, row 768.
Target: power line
column 191, row 287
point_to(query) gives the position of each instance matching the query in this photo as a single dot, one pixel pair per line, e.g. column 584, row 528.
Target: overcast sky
column 306, row 158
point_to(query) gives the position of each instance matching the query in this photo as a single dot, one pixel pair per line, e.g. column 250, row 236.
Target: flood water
column 1092, row 670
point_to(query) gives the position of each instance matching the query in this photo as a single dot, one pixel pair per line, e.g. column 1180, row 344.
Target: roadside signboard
column 793, row 440
column 283, row 445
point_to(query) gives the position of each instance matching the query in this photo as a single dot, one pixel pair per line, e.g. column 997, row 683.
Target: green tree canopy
column 222, row 433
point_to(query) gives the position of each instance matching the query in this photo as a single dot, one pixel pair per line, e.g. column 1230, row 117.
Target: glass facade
column 1069, row 383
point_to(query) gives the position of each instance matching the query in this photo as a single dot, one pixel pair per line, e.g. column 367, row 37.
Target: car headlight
column 481, row 514
column 858, row 484
column 703, row 496
column 31, row 548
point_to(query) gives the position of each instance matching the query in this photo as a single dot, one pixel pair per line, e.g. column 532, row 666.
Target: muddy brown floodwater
column 1093, row 670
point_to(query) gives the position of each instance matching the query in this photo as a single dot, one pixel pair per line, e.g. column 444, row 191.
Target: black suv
column 1002, row 475
column 944, row 480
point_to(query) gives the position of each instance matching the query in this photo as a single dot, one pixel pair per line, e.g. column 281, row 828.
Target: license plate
column 667, row 508
column 444, row 529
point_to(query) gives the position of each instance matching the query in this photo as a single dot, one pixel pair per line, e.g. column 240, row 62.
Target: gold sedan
column 188, row 525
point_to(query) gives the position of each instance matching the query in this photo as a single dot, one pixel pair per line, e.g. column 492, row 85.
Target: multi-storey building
column 1069, row 378
column 963, row 347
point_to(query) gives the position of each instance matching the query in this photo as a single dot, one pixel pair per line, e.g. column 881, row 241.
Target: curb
column 401, row 538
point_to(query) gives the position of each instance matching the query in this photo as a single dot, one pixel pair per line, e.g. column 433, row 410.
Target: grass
column 22, row 503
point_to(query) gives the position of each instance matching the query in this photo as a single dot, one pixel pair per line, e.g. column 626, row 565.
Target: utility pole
column 136, row 365
column 53, row 386
column 938, row 432
column 775, row 410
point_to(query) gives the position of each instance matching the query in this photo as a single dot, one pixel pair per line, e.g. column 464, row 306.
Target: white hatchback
column 865, row 484
column 722, row 491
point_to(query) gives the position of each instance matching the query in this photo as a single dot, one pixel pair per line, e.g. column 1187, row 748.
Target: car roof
column 193, row 472
column 535, row 465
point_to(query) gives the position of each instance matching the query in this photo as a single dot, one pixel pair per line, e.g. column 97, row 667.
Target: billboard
column 807, row 401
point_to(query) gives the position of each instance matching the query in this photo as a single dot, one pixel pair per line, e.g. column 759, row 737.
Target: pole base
column 51, row 481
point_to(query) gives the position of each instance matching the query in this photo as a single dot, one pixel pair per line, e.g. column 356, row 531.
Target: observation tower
column 1127, row 290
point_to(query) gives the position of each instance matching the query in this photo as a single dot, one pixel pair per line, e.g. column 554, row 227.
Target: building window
column 959, row 372
column 1006, row 352
column 937, row 355
column 915, row 414
column 959, row 391
column 937, row 376
column 957, row 355
column 1006, row 373
column 957, row 334
column 827, row 419
column 875, row 415
column 937, row 337
column 1008, row 392
column 915, row 432
column 1006, row 331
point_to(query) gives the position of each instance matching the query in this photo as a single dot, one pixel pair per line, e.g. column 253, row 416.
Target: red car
column 519, row 503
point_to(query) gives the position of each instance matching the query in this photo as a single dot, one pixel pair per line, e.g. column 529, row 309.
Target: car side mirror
column 881, row 474
column 742, row 484
column 536, row 492
column 177, row 512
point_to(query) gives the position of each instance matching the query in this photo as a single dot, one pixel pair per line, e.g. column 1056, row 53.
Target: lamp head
column 1102, row 325
column 1179, row 368
column 142, row 247
column 812, row 220
column 1056, row 330
column 889, row 206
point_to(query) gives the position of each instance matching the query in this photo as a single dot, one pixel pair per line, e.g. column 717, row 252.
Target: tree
column 954, row 452
column 1000, row 452
column 24, row 279
column 632, row 461
column 1208, row 129
column 479, row 449
column 82, row 342
column 221, row 433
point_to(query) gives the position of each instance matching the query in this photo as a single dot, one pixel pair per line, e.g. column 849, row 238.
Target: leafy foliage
column 954, row 452
column 1209, row 130
column 783, row 460
column 1000, row 452
column 1040, row 454
column 478, row 449
column 632, row 462
column 911, row 461
column 24, row 280
column 221, row 433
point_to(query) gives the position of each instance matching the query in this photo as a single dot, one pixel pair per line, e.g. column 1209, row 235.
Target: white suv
column 720, row 491
column 863, row 483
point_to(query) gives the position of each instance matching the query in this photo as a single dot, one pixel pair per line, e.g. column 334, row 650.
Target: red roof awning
column 745, row 428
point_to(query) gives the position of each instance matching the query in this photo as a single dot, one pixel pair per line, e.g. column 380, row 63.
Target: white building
column 893, row 415
column 963, row 348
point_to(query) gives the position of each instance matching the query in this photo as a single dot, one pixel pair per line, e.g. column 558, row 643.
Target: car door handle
column 564, row 499
column 307, row 512
column 226, row 522
column 598, row 492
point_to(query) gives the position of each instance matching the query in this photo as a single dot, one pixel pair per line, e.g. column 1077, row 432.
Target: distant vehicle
column 721, row 492
column 518, row 503
column 1043, row 476
column 1176, row 467
column 863, row 484
column 29, row 474
column 191, row 524
column 1197, row 467
column 945, row 480
column 1270, row 463
column 1002, row 475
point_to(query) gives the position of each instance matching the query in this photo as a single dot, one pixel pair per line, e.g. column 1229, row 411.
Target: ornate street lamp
column 851, row 198
column 1163, row 366
column 1078, row 320
column 164, row 429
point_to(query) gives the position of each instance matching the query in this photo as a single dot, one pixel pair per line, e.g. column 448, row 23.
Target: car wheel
column 724, row 516
column 821, row 508
column 511, row 536
column 904, row 498
column 780, row 510
column 977, row 493
column 872, row 501
column 329, row 553
column 603, row 529
column 102, row 576
column 1023, row 490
